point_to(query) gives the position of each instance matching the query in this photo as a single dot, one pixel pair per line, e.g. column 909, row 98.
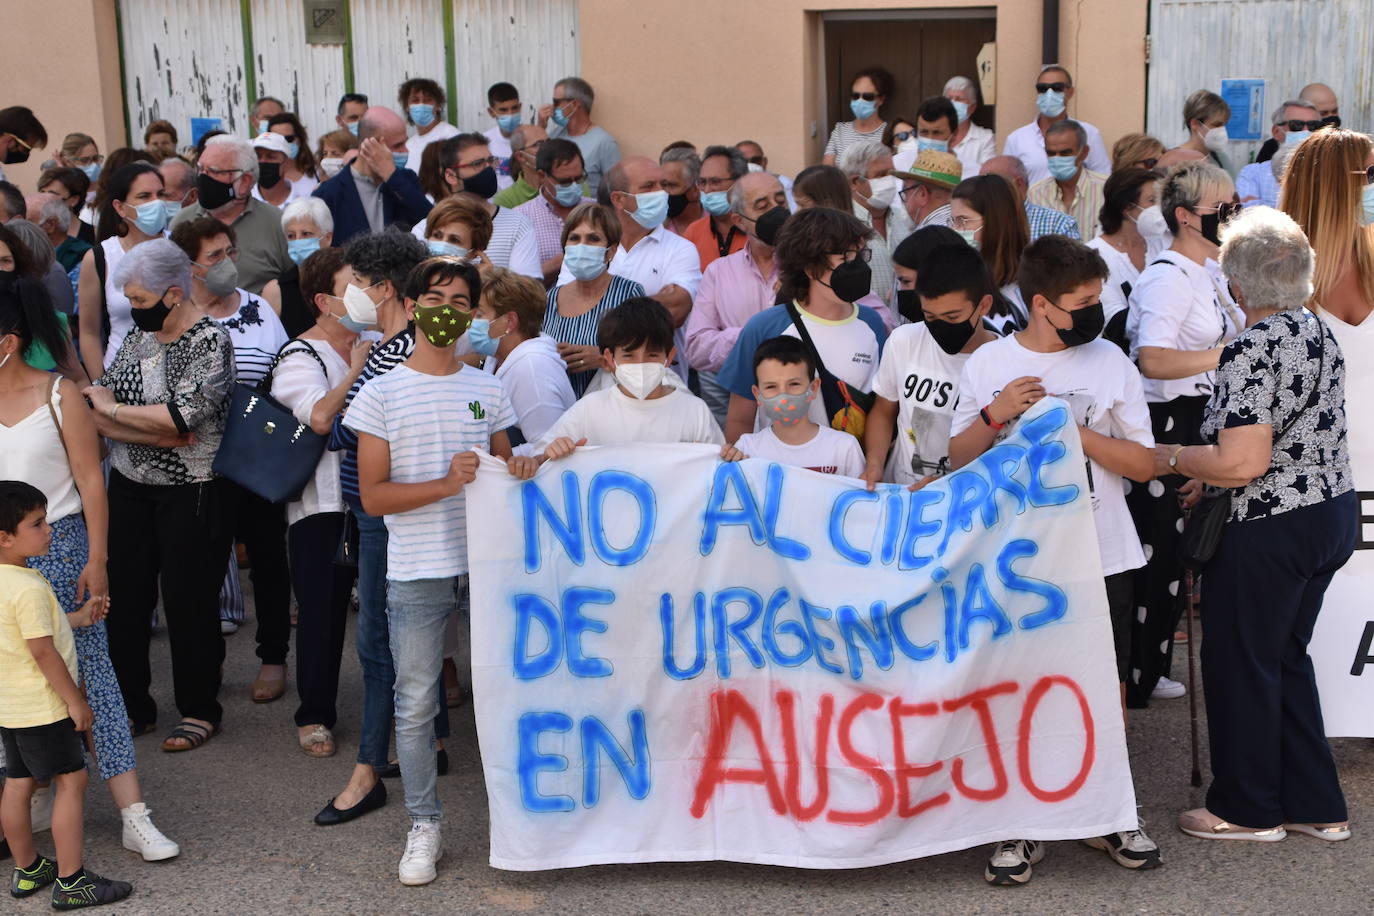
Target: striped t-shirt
column 845, row 134
column 257, row 335
column 581, row 330
column 380, row 361
column 427, row 419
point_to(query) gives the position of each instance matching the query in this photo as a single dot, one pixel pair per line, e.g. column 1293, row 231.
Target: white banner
column 679, row 659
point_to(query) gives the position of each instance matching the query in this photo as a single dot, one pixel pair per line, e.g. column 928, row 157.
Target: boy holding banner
column 1061, row 352
column 418, row 426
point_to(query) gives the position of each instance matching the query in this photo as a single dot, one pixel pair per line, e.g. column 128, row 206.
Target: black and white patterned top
column 193, row 375
column 1267, row 375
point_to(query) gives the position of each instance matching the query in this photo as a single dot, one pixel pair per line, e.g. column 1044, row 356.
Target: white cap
column 275, row 142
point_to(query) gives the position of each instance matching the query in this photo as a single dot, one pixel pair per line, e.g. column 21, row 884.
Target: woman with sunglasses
column 1136, row 151
column 299, row 168
column 900, row 136
column 1180, row 316
column 868, row 92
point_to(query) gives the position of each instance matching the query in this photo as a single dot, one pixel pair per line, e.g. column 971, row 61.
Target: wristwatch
column 1173, row 459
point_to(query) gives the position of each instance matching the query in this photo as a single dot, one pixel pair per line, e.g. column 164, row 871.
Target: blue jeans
column 373, row 639
column 418, row 611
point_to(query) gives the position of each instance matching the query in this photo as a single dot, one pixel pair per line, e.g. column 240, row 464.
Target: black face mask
column 851, row 281
column 1211, row 227
column 950, row 336
column 269, row 174
column 213, row 194
column 767, row 227
column 483, row 184
column 909, row 305
column 153, row 317
column 677, row 203
column 1087, row 324
column 16, row 154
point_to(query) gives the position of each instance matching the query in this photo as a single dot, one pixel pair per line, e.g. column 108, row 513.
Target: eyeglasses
column 225, row 175
column 216, row 257
column 866, row 96
column 861, row 254
column 1368, row 175
column 904, row 192
column 715, row 184
column 1224, row 211
column 533, row 146
column 558, row 101
column 570, row 181
column 477, row 163
column 902, row 136
column 289, row 138
column 86, row 160
column 1042, row 88
column 967, row 222
column 1297, row 126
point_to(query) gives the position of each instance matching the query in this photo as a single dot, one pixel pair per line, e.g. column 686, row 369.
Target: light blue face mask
column 293, row 149
column 263, row 126
column 1050, row 103
column 1294, row 137
column 480, row 339
column 923, row 143
column 440, row 248
column 400, row 159
column 422, row 115
column 352, row 324
column 173, row 207
column 1367, row 205
column 970, row 236
column 716, row 203
column 152, row 217
column 508, row 123
column 559, row 117
column 353, row 128
column 863, row 108
column 300, row 249
column 1063, row 167
column 585, row 262
column 92, row 170
column 960, row 109
column 651, row 209
column 567, row 195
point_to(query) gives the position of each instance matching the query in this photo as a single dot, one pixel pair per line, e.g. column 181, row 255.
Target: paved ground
column 241, row 808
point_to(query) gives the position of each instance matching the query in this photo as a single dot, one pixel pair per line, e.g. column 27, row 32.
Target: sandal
column 1205, row 825
column 138, row 731
column 1332, row 833
column 265, row 690
column 193, row 733
column 318, row 742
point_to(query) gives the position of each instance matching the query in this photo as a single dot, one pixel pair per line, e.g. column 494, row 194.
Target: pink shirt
column 732, row 291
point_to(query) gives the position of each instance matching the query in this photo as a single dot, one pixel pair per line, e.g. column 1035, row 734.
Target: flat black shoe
column 443, row 762
column 390, row 771
column 374, row 799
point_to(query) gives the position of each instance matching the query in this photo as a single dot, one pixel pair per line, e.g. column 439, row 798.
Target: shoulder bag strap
column 265, row 386
column 1317, row 386
column 799, row 323
column 52, row 410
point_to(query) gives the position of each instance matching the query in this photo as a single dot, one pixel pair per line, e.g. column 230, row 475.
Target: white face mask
column 1150, row 224
column 332, row 165
column 884, row 191
column 1215, row 139
column 359, row 305
column 640, row 379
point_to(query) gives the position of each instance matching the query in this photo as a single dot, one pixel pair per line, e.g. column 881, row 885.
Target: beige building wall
column 62, row 60
column 718, row 71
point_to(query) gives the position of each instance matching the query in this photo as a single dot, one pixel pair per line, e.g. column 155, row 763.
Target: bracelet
column 114, row 410
column 987, row 418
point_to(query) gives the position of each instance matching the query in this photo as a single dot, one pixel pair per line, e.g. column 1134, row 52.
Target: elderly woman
column 1180, row 315
column 309, row 226
column 460, row 226
column 1136, row 151
column 163, row 403
column 1277, row 439
column 591, row 235
column 974, row 145
column 867, row 164
column 337, row 149
column 868, row 92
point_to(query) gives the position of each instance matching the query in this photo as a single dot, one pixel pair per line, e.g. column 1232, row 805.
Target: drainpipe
column 1049, row 38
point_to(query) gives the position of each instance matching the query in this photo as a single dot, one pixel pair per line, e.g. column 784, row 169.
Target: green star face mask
column 442, row 325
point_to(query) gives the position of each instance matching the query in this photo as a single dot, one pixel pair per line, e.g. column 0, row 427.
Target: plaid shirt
column 1044, row 221
column 1087, row 200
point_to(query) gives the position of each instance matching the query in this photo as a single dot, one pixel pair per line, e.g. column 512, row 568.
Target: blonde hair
column 1321, row 190
column 506, row 291
column 1203, row 106
column 1134, row 148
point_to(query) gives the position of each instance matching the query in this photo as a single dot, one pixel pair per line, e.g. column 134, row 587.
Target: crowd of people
column 411, row 293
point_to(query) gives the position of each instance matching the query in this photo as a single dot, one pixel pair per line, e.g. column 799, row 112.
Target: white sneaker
column 40, row 809
column 228, row 627
column 1168, row 689
column 143, row 837
column 424, row 847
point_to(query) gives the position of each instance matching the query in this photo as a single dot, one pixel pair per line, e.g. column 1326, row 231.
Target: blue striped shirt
column 581, row 330
column 380, row 361
column 427, row 419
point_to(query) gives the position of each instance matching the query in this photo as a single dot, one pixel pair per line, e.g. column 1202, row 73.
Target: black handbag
column 1202, row 531
column 265, row 449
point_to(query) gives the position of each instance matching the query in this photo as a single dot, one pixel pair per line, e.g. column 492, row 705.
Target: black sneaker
column 1011, row 861
column 88, row 889
column 1128, row 848
column 31, row 880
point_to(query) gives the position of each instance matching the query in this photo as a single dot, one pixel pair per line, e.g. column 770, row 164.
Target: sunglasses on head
column 1041, row 88
column 866, row 96
column 1368, row 175
column 1298, row 126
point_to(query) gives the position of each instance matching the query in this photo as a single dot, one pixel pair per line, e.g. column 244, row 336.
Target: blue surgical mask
column 1050, row 103
column 931, row 143
column 293, row 149
column 651, row 209
column 422, row 115
column 400, row 159
column 440, row 248
column 263, row 126
column 1367, row 203
column 970, row 236
column 585, row 262
column 960, row 109
column 1295, row 137
column 300, row 249
column 508, row 123
column 1063, row 167
column 173, row 207
column 716, row 203
column 92, row 171
column 353, row 128
column 152, row 217
column 559, row 117
column 567, row 195
column 357, row 327
column 479, row 337
column 863, row 108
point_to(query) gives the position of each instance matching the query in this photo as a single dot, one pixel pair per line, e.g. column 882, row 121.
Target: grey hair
column 738, row 164
column 960, row 84
column 690, row 161
column 1183, row 186
column 858, row 156
column 1061, row 68
column 311, row 208
column 156, row 265
column 517, row 138
column 736, row 193
column 1069, row 124
column 1291, row 103
column 187, row 179
column 35, row 240
column 242, row 149
column 1279, row 161
column 574, row 87
column 1267, row 256
column 54, row 209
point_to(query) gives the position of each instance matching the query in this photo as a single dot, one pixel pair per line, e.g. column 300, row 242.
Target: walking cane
column 1190, row 606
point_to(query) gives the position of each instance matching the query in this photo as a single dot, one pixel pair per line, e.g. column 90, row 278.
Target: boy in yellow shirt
column 42, row 711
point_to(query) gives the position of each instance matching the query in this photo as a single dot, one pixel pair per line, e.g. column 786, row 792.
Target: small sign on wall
column 202, row 126
column 324, row 22
column 1246, row 98
column 987, row 72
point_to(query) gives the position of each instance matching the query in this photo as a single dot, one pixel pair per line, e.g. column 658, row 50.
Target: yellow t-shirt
column 29, row 610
